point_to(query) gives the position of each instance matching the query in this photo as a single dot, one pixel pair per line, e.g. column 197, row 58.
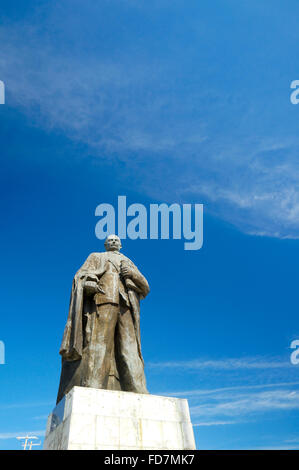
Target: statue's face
column 112, row 243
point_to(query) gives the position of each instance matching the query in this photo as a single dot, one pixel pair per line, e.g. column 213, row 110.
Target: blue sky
column 161, row 101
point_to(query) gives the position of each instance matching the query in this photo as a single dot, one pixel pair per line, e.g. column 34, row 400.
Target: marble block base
column 88, row 418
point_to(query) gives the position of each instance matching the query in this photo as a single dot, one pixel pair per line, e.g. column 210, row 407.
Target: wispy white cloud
column 15, row 434
column 24, row 405
column 238, row 404
column 213, row 391
column 293, row 440
column 228, row 375
column 225, row 364
column 215, row 423
column 135, row 104
column 42, row 417
column 277, row 447
column 244, row 397
column 215, row 404
column 285, row 444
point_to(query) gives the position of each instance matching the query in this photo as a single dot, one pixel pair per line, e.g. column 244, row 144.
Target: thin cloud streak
column 216, row 423
column 225, row 364
column 24, row 405
column 198, row 393
column 247, row 404
column 15, row 434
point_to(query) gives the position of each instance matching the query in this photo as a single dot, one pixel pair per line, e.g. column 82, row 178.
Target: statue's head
column 112, row 243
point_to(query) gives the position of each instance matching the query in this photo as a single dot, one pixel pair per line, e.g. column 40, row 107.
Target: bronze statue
column 101, row 341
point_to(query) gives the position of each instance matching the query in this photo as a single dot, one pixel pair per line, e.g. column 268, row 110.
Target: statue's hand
column 91, row 284
column 90, row 277
column 126, row 271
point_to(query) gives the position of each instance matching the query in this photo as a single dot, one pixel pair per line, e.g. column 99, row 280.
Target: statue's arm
column 88, row 268
column 132, row 272
column 141, row 282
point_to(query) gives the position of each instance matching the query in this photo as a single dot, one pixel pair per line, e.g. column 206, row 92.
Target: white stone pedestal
column 89, row 418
